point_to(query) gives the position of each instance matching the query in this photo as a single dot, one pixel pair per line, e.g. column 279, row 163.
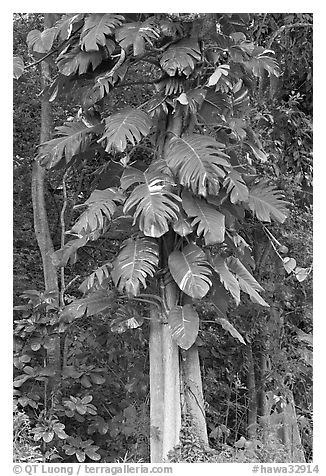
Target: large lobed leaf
column 153, row 202
column 97, row 277
column 226, row 277
column 96, row 302
column 127, row 125
column 184, row 324
column 97, row 27
column 181, row 57
column 136, row 34
column 236, row 187
column 209, row 220
column 101, row 203
column 136, row 261
column 77, row 61
column 247, row 282
column 75, row 138
column 267, row 203
column 197, row 161
column 190, row 271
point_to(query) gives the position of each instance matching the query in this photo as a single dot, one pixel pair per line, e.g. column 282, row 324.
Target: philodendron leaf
column 267, row 203
column 247, row 282
column 232, row 330
column 210, row 222
column 226, row 277
column 184, row 325
column 136, row 262
column 190, row 271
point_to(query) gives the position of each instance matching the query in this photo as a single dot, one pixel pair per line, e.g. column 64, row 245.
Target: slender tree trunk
column 292, row 434
column 193, row 392
column 156, row 377
column 164, row 353
column 251, row 385
column 41, row 225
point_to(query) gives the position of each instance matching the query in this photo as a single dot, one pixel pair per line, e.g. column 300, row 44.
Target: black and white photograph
column 162, row 242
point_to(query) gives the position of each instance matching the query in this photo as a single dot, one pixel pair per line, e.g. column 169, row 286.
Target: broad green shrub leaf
column 210, row 221
column 75, row 138
column 136, row 34
column 190, row 271
column 96, row 28
column 184, row 324
column 137, row 261
column 152, row 201
column 41, row 42
column 77, row 61
column 226, row 277
column 127, row 125
column 247, row 282
column 197, row 161
column 18, row 66
column 267, row 203
column 236, row 187
column 232, row 330
column 100, row 205
column 181, row 57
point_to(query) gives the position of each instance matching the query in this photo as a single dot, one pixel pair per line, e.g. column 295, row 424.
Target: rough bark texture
column 41, row 225
column 193, row 392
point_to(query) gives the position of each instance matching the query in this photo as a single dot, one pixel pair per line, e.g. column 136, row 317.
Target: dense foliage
column 178, row 138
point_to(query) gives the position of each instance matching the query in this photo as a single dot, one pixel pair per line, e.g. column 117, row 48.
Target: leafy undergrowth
column 24, row 449
column 192, row 450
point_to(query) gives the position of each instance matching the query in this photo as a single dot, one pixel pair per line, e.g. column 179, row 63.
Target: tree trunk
column 156, row 377
column 193, row 392
column 165, row 412
column 251, row 385
column 289, row 433
column 41, row 225
column 165, row 407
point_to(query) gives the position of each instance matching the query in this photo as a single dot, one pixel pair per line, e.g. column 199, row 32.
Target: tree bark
column 193, row 392
column 156, row 377
column 289, row 432
column 251, row 385
column 41, row 225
